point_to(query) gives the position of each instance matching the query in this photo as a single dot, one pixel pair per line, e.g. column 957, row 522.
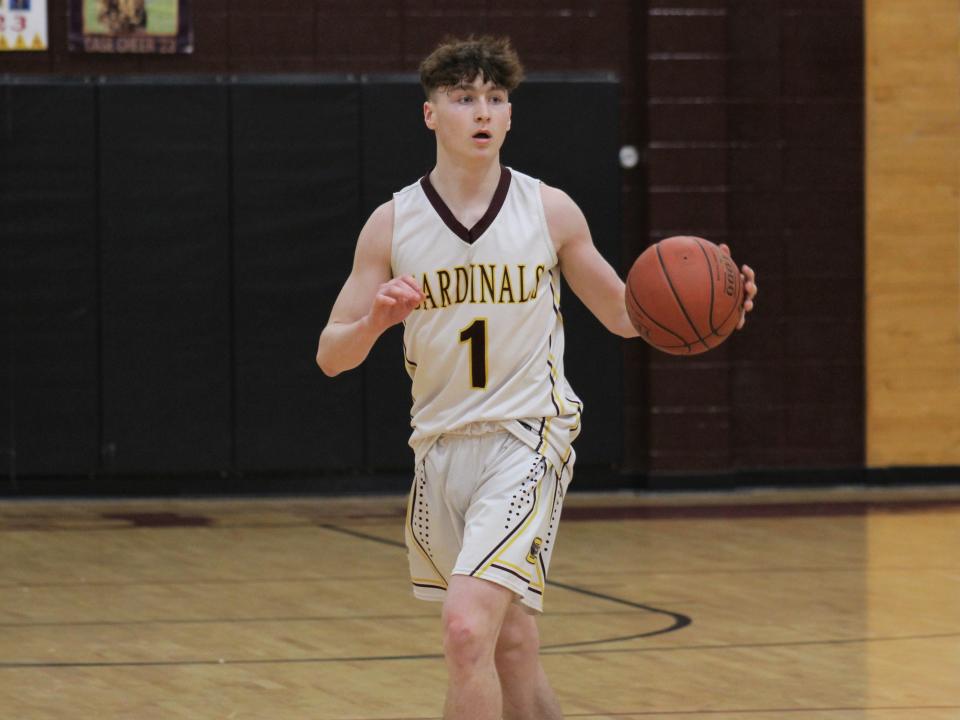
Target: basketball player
column 469, row 260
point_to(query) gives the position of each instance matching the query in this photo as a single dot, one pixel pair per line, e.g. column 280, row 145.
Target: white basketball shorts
column 487, row 506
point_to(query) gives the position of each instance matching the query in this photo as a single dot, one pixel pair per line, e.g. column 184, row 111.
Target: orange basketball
column 684, row 295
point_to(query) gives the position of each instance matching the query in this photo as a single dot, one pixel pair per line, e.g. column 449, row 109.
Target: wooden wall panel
column 913, row 231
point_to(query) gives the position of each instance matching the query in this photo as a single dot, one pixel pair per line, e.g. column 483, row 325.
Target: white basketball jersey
column 486, row 346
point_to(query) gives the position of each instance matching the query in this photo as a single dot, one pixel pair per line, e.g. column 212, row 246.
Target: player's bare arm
column 589, row 275
column 370, row 301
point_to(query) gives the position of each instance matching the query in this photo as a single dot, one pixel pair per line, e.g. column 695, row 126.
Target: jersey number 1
column 476, row 334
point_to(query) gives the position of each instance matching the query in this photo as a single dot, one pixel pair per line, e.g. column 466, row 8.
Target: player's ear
column 509, row 114
column 428, row 115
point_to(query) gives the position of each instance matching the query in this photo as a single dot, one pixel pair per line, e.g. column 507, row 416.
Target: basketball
column 684, row 295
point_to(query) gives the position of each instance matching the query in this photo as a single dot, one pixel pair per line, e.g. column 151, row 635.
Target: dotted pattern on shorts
column 523, row 498
column 421, row 513
column 555, row 515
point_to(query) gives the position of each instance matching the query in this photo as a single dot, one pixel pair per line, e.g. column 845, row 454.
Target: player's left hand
column 749, row 279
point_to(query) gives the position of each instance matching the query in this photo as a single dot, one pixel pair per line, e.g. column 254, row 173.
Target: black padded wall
column 165, row 277
column 296, row 189
column 172, row 249
column 398, row 149
column 7, row 456
column 577, row 152
column 50, row 278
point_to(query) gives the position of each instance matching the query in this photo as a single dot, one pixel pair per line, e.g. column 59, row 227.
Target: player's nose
column 482, row 109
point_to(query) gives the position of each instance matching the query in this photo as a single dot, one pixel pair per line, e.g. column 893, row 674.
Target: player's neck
column 462, row 185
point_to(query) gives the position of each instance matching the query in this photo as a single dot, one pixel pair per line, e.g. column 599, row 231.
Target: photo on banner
column 23, row 25
column 131, row 26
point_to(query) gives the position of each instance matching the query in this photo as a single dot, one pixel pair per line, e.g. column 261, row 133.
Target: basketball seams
column 666, row 275
column 688, row 293
column 706, row 257
column 736, row 307
column 663, row 327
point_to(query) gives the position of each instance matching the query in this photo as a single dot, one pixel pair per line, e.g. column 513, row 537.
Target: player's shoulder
column 409, row 199
column 522, row 177
column 383, row 214
column 558, row 206
column 553, row 199
column 412, row 188
column 565, row 220
column 377, row 233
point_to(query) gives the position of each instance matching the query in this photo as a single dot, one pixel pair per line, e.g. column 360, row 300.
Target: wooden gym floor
column 835, row 604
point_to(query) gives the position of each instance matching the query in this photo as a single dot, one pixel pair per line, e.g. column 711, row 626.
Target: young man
column 468, row 259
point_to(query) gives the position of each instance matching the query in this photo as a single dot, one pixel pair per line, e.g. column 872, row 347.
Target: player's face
column 471, row 120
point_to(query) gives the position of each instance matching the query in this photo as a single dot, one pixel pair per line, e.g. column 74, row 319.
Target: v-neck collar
column 468, row 235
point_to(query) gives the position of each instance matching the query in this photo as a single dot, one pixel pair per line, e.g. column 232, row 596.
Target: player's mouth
column 482, row 137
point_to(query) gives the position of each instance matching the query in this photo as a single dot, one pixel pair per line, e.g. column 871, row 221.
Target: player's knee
column 518, row 644
column 466, row 640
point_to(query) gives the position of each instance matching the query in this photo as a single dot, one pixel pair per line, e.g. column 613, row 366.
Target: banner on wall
column 23, row 25
column 130, row 26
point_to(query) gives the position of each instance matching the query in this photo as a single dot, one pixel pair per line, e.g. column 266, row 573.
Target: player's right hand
column 394, row 301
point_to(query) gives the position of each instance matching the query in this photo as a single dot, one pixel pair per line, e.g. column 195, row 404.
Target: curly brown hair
column 456, row 60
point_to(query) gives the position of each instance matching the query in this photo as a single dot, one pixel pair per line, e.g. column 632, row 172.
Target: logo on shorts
column 534, row 551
